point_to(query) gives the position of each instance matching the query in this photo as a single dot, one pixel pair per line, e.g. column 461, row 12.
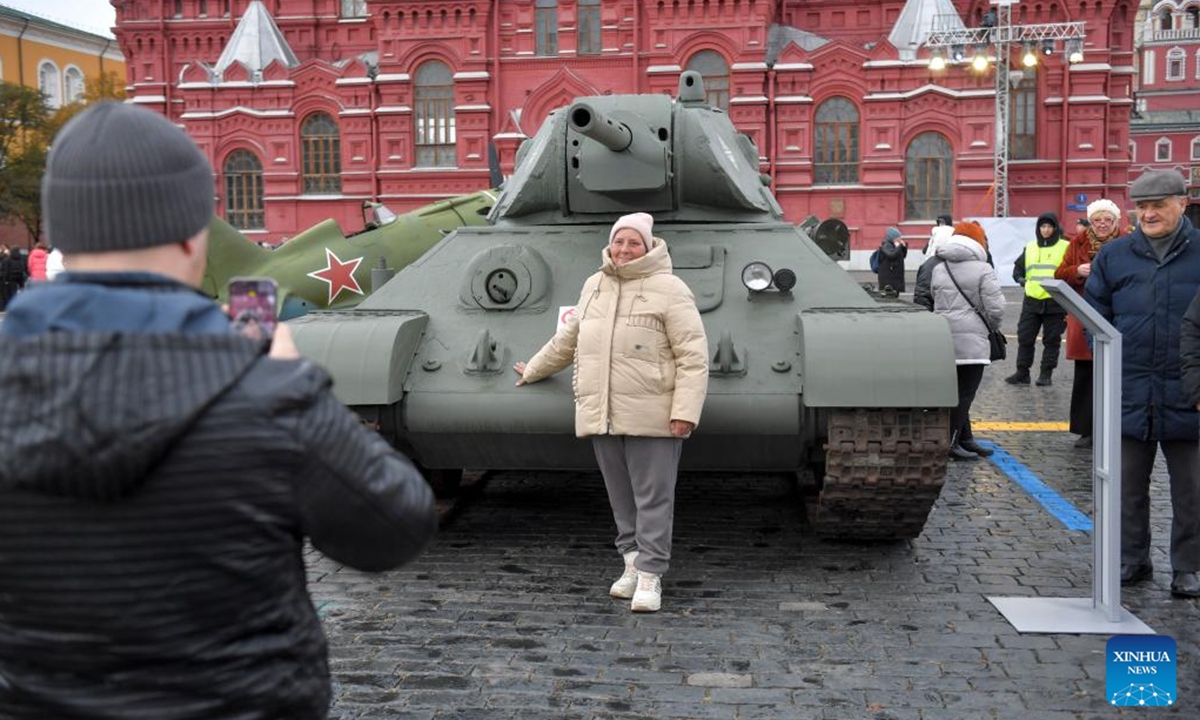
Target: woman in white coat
column 964, row 288
column 641, row 375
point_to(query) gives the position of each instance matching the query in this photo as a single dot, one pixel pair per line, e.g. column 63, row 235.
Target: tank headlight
column 756, row 276
column 785, row 280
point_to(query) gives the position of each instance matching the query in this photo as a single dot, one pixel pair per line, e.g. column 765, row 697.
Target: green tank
column 810, row 375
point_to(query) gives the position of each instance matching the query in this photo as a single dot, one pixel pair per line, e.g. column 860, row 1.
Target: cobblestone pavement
column 507, row 614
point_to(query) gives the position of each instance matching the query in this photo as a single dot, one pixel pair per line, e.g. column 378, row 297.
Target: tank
column 810, row 375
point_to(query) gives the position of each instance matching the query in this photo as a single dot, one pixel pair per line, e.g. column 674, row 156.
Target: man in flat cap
column 159, row 473
column 1143, row 283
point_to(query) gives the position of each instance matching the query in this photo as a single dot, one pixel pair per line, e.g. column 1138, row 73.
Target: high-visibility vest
column 1040, row 264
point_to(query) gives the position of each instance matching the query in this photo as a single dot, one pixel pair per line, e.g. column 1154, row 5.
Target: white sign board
column 1007, row 238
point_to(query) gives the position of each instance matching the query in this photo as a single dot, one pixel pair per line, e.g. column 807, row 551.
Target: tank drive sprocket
column 884, row 469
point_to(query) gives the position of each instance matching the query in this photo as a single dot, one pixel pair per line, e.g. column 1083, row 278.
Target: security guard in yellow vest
column 1039, row 311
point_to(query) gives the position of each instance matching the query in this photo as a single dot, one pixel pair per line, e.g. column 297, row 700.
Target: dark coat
column 891, row 265
column 1189, row 352
column 156, row 491
column 1145, row 300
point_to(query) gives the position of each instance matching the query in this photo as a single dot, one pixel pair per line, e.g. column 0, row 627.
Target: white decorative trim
column 472, row 108
column 748, row 100
column 393, row 109
column 1085, row 67
column 794, row 66
column 147, row 99
column 748, row 66
column 353, row 81
column 473, row 75
column 660, row 69
column 792, row 99
column 238, row 109
column 930, row 87
column 1088, row 98
column 393, row 77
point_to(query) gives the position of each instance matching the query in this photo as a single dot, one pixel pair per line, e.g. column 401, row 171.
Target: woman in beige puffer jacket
column 641, row 374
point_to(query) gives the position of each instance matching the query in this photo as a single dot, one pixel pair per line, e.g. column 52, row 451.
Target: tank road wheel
column 884, row 469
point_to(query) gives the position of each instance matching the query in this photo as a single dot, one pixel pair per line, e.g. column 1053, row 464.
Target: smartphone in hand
column 252, row 304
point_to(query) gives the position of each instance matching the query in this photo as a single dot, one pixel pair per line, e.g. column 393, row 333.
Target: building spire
column 916, row 21
column 256, row 42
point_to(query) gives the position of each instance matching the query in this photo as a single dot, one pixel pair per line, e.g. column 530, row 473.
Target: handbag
column 997, row 342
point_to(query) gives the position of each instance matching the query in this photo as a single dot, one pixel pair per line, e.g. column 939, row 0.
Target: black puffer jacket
column 155, row 496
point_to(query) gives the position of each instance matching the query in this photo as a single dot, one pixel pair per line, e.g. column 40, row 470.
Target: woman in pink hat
column 641, row 375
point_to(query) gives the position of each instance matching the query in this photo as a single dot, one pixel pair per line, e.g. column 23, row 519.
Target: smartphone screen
column 252, row 303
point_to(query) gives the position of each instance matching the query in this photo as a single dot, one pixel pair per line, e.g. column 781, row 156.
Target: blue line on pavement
column 1056, row 504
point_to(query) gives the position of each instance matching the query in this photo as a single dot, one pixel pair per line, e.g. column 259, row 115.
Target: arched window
column 929, row 173
column 73, row 78
column 835, row 143
column 243, row 190
column 1176, row 58
column 546, row 30
column 320, row 154
column 1162, row 150
column 1022, row 139
column 49, row 83
column 434, row 115
column 1164, row 20
column 589, row 27
column 713, row 68
column 1196, row 148
column 1193, row 18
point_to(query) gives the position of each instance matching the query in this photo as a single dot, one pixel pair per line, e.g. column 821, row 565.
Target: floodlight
column 1075, row 51
column 980, row 61
column 1047, row 47
column 1029, row 58
column 938, row 61
column 958, row 53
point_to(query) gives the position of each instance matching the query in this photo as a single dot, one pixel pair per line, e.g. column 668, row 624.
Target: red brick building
column 308, row 107
column 1166, row 121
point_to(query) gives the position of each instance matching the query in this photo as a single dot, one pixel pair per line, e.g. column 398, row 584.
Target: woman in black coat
column 891, row 261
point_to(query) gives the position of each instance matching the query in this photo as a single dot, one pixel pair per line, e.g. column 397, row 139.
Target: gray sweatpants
column 639, row 474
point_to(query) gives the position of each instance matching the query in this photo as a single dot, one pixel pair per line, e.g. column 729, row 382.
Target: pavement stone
column 507, row 614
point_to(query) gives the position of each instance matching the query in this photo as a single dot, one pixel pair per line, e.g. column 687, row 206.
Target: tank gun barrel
column 588, row 121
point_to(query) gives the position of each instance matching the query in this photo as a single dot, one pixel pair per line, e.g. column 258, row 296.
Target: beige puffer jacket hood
column 640, row 353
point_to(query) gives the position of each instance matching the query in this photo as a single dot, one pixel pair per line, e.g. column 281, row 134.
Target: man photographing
column 159, row 473
column 1142, row 283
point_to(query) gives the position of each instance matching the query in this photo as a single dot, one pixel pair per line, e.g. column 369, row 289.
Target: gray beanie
column 121, row 178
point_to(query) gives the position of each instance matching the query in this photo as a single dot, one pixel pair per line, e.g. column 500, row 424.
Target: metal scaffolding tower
column 1000, row 35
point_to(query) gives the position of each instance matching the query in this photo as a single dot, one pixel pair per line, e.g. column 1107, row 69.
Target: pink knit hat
column 642, row 222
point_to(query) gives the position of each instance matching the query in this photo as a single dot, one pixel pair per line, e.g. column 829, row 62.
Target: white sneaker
column 648, row 596
column 625, row 585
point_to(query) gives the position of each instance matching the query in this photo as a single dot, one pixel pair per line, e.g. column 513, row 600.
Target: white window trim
column 1161, row 143
column 1196, row 148
column 66, row 87
column 1148, row 68
column 54, row 100
column 1175, row 54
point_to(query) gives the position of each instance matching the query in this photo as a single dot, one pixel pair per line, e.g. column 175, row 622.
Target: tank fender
column 876, row 358
column 368, row 352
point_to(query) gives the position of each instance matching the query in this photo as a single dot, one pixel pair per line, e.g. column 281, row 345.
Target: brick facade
column 511, row 62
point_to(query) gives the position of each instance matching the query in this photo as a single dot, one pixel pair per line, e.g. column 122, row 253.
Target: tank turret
column 680, row 160
column 809, row 375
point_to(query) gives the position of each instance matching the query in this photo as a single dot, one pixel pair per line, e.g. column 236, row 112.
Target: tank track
column 884, row 469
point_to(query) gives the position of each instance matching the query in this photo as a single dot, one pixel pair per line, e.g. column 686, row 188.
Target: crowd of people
column 1145, row 280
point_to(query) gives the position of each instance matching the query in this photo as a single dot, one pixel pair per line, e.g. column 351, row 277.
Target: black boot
column 1020, row 377
column 1044, row 377
column 971, row 446
column 958, row 452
